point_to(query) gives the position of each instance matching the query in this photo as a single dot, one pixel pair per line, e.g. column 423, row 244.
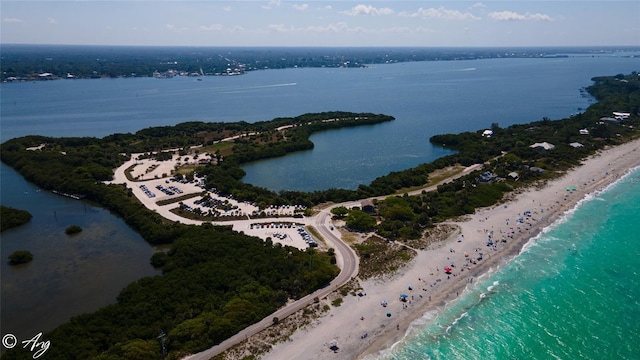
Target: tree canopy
column 10, row 217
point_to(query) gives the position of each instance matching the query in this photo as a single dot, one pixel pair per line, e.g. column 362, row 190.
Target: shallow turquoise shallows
column 573, row 293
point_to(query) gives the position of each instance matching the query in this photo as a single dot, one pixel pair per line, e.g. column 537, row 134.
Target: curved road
column 348, row 263
column 346, row 259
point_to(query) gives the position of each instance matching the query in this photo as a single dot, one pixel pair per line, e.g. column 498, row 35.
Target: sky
column 322, row 23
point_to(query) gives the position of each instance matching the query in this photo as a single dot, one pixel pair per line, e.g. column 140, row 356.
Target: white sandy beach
column 360, row 326
column 346, row 325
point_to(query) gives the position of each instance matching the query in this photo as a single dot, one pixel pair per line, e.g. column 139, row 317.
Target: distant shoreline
column 25, row 60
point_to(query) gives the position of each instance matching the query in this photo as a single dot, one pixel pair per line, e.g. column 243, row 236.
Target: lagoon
column 69, row 275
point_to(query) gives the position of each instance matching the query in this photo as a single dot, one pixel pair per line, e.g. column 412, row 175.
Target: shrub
column 20, row 257
column 73, row 229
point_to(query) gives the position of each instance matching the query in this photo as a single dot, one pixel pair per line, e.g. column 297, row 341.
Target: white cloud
column 52, row 21
column 339, row 27
column 344, row 28
column 172, row 27
column 440, row 13
column 301, row 7
column 212, row 27
column 539, row 17
column 514, row 16
column 271, row 4
column 12, row 20
column 367, row 10
column 226, row 8
column 278, row 28
column 478, row 5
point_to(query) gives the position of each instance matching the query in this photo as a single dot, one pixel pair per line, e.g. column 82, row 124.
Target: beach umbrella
column 447, row 269
column 388, row 314
column 404, row 296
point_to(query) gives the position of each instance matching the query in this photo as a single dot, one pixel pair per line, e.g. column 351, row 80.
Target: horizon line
column 337, row 46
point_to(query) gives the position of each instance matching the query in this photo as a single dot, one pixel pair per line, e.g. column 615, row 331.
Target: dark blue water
column 426, row 98
column 69, row 275
column 429, row 98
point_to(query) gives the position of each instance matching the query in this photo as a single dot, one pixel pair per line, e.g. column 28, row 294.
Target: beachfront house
column 584, row 132
column 534, row 169
column 487, row 133
column 621, row 115
column 487, row 177
column 367, row 206
column 576, row 145
column 543, row 146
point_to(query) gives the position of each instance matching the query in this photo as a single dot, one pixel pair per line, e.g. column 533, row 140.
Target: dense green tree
column 340, row 211
column 10, row 217
column 359, row 220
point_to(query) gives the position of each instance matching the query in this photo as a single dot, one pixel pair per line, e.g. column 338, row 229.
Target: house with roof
column 368, row 206
column 543, row 146
column 487, row 133
column 487, row 177
column 621, row 115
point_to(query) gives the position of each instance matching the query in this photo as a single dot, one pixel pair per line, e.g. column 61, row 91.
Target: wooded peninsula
column 215, row 281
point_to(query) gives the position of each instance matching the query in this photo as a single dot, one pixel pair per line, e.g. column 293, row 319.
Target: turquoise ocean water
column 573, row 293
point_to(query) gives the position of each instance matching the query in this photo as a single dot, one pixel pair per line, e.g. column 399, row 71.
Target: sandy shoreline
column 517, row 220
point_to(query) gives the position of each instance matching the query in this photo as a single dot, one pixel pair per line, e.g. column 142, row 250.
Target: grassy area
column 186, row 169
column 204, row 217
column 314, row 232
column 128, row 171
column 379, row 257
column 436, row 177
column 435, row 236
column 225, row 148
column 178, row 199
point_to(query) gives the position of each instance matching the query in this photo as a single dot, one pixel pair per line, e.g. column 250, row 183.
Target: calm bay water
column 574, row 293
column 426, row 98
column 70, row 275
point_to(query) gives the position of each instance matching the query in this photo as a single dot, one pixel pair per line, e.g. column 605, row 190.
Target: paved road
column 346, row 259
column 348, row 263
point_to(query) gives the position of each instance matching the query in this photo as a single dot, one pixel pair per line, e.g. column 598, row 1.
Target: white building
column 543, row 145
